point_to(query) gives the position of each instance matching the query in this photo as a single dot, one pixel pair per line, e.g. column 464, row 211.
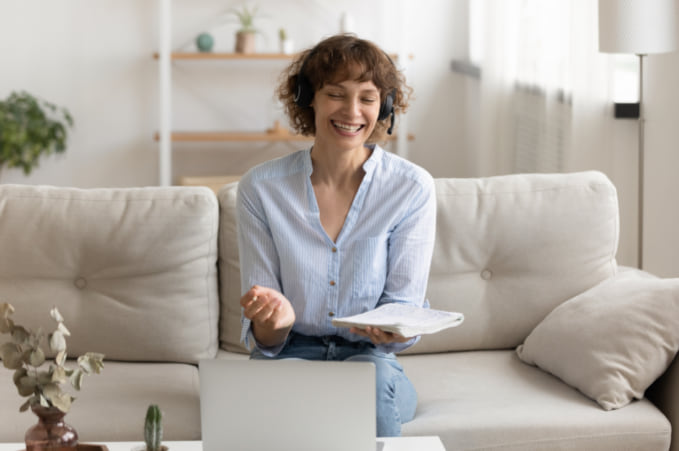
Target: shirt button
column 486, row 274
column 334, row 249
column 331, row 314
column 332, row 283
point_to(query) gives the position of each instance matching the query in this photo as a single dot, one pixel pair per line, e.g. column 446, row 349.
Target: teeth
column 347, row 127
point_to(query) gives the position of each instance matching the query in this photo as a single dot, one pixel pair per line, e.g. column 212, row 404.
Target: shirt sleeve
column 257, row 252
column 410, row 249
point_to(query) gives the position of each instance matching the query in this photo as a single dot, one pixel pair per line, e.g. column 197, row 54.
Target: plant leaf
column 62, row 401
column 54, row 313
column 44, row 376
column 6, row 324
column 18, row 374
column 20, row 335
column 57, row 341
column 11, row 356
column 26, row 385
column 60, row 358
column 6, row 310
column 77, row 379
column 91, row 362
column 59, row 375
column 34, row 357
column 61, row 328
column 25, row 406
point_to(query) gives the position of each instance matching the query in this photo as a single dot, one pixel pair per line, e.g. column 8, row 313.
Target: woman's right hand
column 271, row 314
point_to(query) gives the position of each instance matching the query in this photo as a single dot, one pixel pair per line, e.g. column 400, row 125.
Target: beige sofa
column 150, row 278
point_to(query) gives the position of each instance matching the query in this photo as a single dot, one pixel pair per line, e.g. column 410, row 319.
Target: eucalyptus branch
column 23, row 354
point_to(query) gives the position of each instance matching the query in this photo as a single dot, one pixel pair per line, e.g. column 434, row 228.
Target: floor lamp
column 639, row 27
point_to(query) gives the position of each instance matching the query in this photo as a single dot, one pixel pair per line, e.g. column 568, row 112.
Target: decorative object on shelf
column 24, row 354
column 29, row 128
column 153, row 429
column 641, row 28
column 205, row 42
column 278, row 130
column 347, row 23
column 245, row 36
column 287, row 45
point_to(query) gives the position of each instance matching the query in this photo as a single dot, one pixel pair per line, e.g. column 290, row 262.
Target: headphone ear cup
column 387, row 107
column 305, row 92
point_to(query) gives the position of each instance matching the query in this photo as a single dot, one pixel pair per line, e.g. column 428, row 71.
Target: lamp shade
column 637, row 26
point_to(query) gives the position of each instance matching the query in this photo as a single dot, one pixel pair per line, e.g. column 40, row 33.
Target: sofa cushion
column 229, row 271
column 132, row 270
column 509, row 249
column 491, row 400
column 612, row 341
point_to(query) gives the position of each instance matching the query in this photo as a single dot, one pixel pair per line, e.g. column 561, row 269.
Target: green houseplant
column 29, row 128
column 245, row 35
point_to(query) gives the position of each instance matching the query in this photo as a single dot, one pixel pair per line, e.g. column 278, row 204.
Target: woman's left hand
column 378, row 336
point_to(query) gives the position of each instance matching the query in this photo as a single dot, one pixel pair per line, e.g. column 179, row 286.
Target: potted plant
column 30, row 128
column 24, row 354
column 245, row 36
column 153, row 430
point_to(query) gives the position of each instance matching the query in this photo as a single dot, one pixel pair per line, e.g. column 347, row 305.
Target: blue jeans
column 396, row 396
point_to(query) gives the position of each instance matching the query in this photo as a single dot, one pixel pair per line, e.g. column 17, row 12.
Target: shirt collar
column 369, row 165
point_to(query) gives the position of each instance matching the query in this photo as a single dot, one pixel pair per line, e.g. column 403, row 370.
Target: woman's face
column 346, row 113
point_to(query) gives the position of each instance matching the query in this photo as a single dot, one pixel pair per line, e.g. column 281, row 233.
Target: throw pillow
column 612, row 341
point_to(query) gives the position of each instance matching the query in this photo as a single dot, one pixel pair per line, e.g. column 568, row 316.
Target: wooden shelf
column 226, row 56
column 275, row 133
column 239, row 56
column 243, row 136
column 232, row 136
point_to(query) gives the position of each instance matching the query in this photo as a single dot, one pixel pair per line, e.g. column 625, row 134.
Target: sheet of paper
column 406, row 320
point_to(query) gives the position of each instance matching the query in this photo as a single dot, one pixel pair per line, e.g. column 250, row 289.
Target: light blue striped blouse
column 382, row 254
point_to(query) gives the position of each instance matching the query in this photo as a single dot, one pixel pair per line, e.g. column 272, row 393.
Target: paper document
column 402, row 319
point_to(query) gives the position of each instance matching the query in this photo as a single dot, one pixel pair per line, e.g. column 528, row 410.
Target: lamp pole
column 642, row 119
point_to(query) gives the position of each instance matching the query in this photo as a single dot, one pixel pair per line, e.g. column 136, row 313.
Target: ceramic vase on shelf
column 204, row 42
column 51, row 432
column 287, row 46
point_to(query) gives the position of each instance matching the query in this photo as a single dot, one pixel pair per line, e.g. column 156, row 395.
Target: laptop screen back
column 296, row 405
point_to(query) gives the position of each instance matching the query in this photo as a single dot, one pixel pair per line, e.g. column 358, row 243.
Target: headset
column 304, row 93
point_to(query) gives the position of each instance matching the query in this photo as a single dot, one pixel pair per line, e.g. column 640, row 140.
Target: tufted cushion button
column 80, row 282
column 486, row 274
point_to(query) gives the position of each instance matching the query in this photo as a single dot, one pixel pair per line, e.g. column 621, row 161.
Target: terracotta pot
column 51, row 432
column 245, row 42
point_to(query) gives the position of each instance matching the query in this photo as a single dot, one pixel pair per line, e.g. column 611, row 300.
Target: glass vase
column 51, row 433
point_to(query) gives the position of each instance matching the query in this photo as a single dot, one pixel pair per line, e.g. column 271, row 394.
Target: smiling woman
column 338, row 229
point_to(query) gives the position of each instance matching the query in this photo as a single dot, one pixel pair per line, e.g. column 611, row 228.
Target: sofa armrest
column 664, row 393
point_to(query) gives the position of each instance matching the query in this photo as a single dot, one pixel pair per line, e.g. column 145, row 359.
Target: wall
column 94, row 57
column 661, row 240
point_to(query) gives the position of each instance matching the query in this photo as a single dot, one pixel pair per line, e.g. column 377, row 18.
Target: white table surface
column 390, row 444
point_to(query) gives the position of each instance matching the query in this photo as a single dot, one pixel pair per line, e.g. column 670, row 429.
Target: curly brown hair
column 333, row 60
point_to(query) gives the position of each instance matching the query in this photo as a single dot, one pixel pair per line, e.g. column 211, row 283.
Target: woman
column 340, row 228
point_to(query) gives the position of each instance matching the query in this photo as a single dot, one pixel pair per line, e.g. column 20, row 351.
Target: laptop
column 281, row 405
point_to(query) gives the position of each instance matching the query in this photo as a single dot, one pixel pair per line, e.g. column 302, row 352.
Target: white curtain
column 545, row 88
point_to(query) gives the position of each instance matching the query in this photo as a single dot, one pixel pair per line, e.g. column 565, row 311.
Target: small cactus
column 153, row 428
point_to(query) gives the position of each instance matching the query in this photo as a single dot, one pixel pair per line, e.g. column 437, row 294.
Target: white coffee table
column 390, row 444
